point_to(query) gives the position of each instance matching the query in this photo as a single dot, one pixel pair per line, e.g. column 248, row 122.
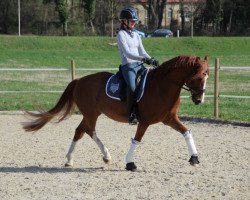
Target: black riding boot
column 132, row 107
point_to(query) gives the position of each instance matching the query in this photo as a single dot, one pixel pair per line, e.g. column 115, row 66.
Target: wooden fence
column 216, row 94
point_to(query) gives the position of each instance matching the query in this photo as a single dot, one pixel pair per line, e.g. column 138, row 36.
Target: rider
column 132, row 55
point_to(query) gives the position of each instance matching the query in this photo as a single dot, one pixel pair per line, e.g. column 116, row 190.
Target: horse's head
column 196, row 82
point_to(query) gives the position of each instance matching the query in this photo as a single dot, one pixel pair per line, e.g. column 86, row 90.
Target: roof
column 168, row 1
column 182, row 1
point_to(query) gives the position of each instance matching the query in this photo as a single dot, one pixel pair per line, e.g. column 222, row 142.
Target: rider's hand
column 151, row 61
column 155, row 63
column 147, row 60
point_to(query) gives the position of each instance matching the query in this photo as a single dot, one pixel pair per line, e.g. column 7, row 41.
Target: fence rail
column 216, row 68
column 56, row 69
column 101, row 69
column 61, row 91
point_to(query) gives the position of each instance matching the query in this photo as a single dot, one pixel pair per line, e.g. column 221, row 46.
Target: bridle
column 193, row 90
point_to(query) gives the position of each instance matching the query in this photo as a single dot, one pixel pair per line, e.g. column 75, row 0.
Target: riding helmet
column 129, row 13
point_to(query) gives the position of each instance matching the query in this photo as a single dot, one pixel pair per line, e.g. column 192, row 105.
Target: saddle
column 116, row 87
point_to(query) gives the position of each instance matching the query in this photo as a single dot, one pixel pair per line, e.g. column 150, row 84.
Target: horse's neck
column 177, row 69
column 178, row 76
column 170, row 77
column 169, row 83
column 175, row 76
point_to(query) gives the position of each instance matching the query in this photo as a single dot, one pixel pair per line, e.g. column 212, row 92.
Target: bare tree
column 112, row 7
column 155, row 13
column 89, row 6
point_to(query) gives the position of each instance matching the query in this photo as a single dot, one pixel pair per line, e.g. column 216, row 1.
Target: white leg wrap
column 130, row 154
column 190, row 143
column 70, row 153
column 103, row 149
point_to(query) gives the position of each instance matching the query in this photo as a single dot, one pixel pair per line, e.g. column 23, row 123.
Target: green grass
column 229, row 109
column 28, row 51
column 89, row 52
column 57, row 51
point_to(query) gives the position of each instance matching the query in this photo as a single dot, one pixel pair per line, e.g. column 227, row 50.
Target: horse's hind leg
column 104, row 150
column 87, row 125
column 80, row 130
column 91, row 123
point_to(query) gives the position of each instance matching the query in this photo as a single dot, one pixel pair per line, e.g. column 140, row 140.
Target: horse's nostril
column 198, row 101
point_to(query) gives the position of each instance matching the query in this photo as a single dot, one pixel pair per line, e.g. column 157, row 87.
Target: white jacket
column 130, row 47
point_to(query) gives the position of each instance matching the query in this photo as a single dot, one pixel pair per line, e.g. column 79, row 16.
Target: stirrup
column 132, row 120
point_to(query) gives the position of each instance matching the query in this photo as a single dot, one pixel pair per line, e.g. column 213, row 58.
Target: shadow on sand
column 53, row 170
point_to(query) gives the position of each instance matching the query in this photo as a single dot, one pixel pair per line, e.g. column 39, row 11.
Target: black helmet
column 129, row 13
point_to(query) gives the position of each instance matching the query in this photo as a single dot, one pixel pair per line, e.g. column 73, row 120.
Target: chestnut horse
column 160, row 103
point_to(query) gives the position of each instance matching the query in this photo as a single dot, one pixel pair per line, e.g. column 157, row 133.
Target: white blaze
column 204, row 87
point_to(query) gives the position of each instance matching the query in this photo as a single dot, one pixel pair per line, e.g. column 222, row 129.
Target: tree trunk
column 65, row 29
column 153, row 17
column 160, row 13
column 230, row 22
column 45, row 18
column 182, row 18
column 92, row 26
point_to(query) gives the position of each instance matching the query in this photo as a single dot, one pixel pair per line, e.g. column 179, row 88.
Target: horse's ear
column 206, row 58
column 197, row 59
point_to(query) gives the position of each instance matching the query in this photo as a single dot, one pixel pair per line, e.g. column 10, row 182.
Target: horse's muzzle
column 197, row 96
column 197, row 99
column 197, row 102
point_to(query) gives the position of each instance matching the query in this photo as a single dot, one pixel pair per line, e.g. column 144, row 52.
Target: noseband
column 193, row 90
column 190, row 89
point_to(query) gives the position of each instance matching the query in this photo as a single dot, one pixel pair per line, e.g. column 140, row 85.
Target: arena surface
column 32, row 165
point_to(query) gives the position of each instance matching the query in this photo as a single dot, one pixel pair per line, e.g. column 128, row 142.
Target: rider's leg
column 129, row 72
column 131, row 106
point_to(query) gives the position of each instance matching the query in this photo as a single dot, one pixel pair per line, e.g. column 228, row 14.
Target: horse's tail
column 65, row 104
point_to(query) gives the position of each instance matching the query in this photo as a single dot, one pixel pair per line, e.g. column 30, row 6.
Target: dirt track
column 31, row 165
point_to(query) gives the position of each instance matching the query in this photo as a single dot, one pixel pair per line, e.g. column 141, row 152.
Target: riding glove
column 155, row 63
column 151, row 61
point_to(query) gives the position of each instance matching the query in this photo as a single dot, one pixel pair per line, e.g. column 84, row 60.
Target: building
column 172, row 10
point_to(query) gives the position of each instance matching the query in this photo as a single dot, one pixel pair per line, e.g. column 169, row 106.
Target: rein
column 192, row 90
column 185, row 87
column 189, row 89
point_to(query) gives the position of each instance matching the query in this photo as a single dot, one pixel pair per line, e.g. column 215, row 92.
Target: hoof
column 131, row 167
column 194, row 160
column 107, row 161
column 68, row 165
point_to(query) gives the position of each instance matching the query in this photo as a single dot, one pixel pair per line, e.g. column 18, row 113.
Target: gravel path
column 32, row 165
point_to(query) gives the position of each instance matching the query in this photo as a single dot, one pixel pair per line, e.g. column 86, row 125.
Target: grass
column 229, row 109
column 89, row 52
column 27, row 51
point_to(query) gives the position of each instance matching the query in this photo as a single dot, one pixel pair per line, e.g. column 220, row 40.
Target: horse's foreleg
column 130, row 165
column 134, row 144
column 104, row 150
column 176, row 124
column 190, row 143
